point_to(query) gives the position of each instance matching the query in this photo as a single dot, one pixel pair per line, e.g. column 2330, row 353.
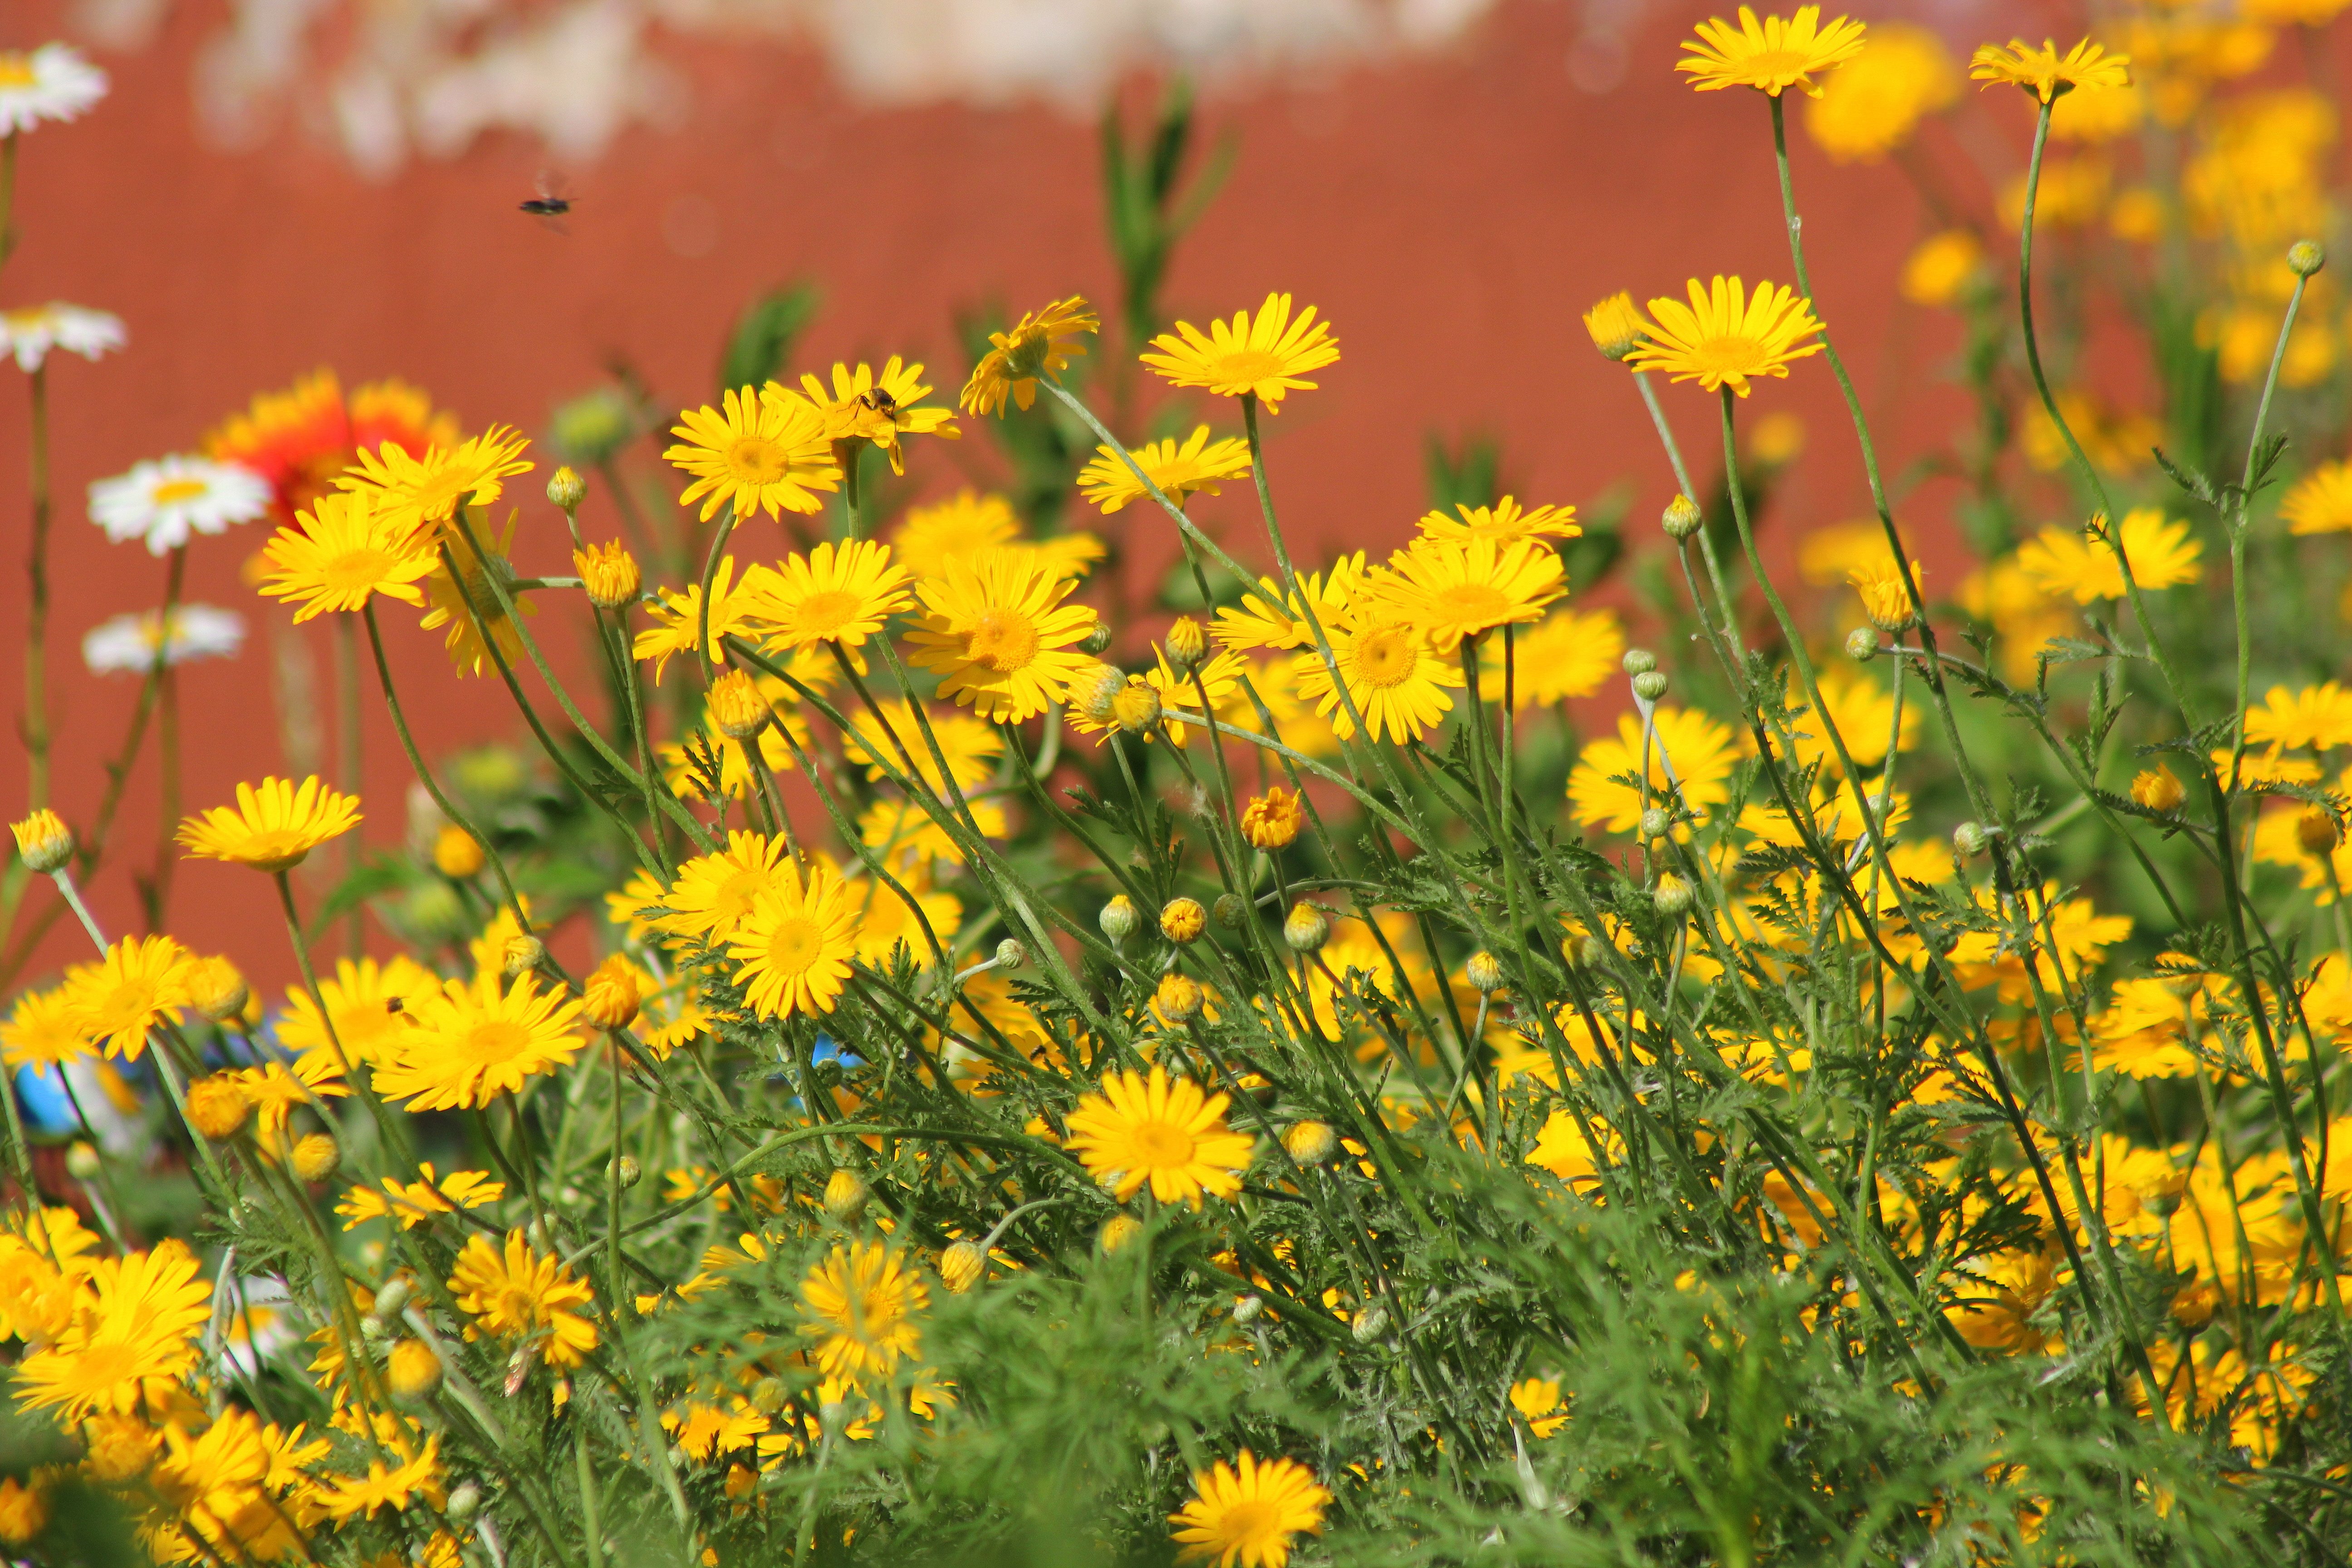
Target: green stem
column 37, row 614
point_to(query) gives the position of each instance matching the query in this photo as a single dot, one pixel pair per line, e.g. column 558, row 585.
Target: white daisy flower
column 165, row 501
column 31, row 333
column 53, row 83
column 132, row 644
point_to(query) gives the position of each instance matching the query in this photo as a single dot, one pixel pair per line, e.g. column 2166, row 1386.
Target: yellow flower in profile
column 274, row 826
column 1161, row 1130
column 971, row 745
column 42, row 1032
column 416, row 1203
column 840, row 593
column 767, row 451
column 1614, row 326
column 2318, row 717
column 343, row 552
column 2073, row 563
column 1870, row 108
column 2320, row 501
column 1771, row 56
column 1263, row 358
column 1042, row 343
column 1689, row 747
column 676, row 613
column 1396, row 682
column 2044, row 73
column 1941, row 267
column 1450, row 589
column 368, row 1004
column 864, row 405
column 474, row 1040
column 1505, row 522
column 139, row 1321
column 141, row 983
column 962, row 527
column 1724, row 338
column 860, row 1306
column 1246, row 1514
column 1110, row 484
column 1885, row 594
column 467, row 603
column 998, row 634
column 415, row 493
column 714, row 892
column 792, row 952
column 1271, row 619
column 521, row 1294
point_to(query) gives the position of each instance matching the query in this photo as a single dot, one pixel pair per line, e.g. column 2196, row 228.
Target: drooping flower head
column 1161, row 1130
column 860, row 1306
column 517, row 1293
column 52, row 83
column 1042, row 343
column 166, row 502
column 342, row 553
column 1265, row 357
column 303, row 439
column 474, row 1040
column 1771, row 56
column 864, row 405
column 1247, row 1513
column 273, row 827
column 1178, row 470
column 999, row 634
column 418, row 493
column 1727, row 337
column 2046, row 74
column 841, row 593
column 1505, row 522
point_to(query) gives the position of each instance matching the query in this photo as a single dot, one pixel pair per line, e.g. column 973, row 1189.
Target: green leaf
column 763, row 339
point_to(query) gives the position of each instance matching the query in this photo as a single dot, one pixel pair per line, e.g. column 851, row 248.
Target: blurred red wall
column 1451, row 214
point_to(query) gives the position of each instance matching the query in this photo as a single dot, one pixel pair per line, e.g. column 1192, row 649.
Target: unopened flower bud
column 2315, row 833
column 1098, row 691
column 1590, row 951
column 1862, row 644
column 844, row 1195
column 1135, row 707
column 1655, row 823
column 1615, row 326
column 1188, row 645
column 737, row 705
column 963, row 1266
column 390, row 1301
column 1310, row 1142
column 1271, row 820
column 566, row 488
column 413, row 1371
column 371, row 1330
column 1639, row 661
column 465, row 1502
column 628, row 1172
column 82, row 1163
column 609, row 997
column 1011, row 954
column 44, row 842
column 1672, row 895
column 1178, row 999
column 1182, row 920
column 1370, row 1324
column 316, row 1157
column 610, row 574
column 1485, row 973
column 1119, row 917
column 456, row 853
column 1650, row 685
column 2157, row 789
column 1682, row 518
column 1246, row 1310
column 1969, row 838
column 1229, row 910
column 1118, row 1231
column 2304, row 257
column 1308, row 929
column 1097, row 639
column 524, row 953
column 218, row 1105
column 216, row 989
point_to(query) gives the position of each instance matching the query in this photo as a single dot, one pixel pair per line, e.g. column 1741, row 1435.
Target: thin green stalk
column 348, row 768
column 36, row 614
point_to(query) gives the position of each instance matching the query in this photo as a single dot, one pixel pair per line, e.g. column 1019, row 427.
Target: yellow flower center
column 272, row 848
column 355, row 571
column 514, row 1307
column 1386, row 657
column 1251, row 365
column 795, row 944
column 756, row 461
column 494, row 1040
column 824, row 614
column 1002, row 640
column 734, row 897
column 1476, row 604
column 1734, row 353
column 1773, row 65
column 1161, row 1145
column 171, row 492
column 1250, row 1524
column 16, row 71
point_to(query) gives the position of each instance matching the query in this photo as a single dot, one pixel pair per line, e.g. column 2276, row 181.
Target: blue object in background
column 41, row 1093
column 828, row 1049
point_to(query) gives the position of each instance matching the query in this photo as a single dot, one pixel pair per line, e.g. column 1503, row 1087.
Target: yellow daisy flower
column 887, row 921
column 999, row 635
column 343, row 552
column 417, row 1477
column 416, row 1203
column 1271, row 620
column 2319, row 716
column 683, row 770
column 836, row 592
column 1771, row 56
column 2044, row 73
column 474, row 1040
column 42, row 1032
column 1042, row 343
column 1450, row 589
column 1178, row 471
column 768, row 451
column 1395, row 680
column 1162, row 1131
column 1871, row 107
column 675, row 612
column 467, row 610
column 368, row 1004
column 413, row 493
column 862, row 406
column 1264, row 358
column 908, row 838
column 1571, row 654
column 1699, row 752
column 961, row 528
column 1505, row 522
column 274, row 826
column 2071, row 562
column 139, row 983
column 1941, row 267
column 138, row 1323
column 2320, row 501
column 972, row 746
column 521, row 1294
column 714, row 892
column 1245, row 1514
column 860, row 1306
column 1723, row 337
column 792, row 952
